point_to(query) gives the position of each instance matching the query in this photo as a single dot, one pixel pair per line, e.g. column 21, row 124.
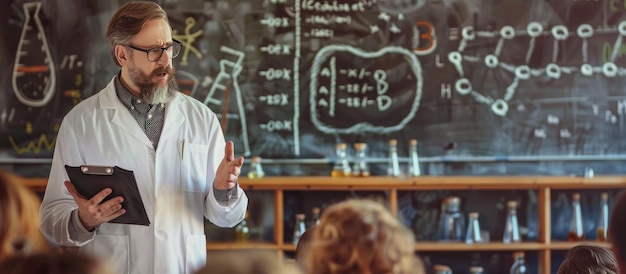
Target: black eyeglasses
column 155, row 54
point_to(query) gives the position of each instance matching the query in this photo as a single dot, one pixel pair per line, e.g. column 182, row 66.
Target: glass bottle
column 256, row 170
column 511, row 227
column 341, row 167
column 360, row 168
column 299, row 229
column 603, row 222
column 451, row 221
column 442, row 269
column 315, row 219
column 414, row 166
column 394, row 163
column 576, row 232
column 476, row 270
column 242, row 231
column 519, row 265
column 472, row 235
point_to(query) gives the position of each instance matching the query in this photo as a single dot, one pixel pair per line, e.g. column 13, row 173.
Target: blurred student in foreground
column 304, row 244
column 617, row 229
column 361, row 237
column 19, row 219
column 246, row 262
column 588, row 259
column 55, row 263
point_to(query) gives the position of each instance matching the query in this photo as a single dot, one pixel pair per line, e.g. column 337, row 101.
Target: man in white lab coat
column 173, row 143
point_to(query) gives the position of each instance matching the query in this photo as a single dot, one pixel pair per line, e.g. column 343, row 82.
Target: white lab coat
column 175, row 182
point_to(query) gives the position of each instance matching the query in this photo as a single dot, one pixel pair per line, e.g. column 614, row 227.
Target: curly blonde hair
column 19, row 216
column 361, row 237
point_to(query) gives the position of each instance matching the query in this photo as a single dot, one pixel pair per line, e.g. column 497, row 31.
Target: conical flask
column 576, row 232
column 34, row 76
column 511, row 227
column 394, row 163
column 473, row 229
column 519, row 264
column 451, row 223
column 603, row 220
column 256, row 170
column 341, row 168
column 414, row 164
column 360, row 167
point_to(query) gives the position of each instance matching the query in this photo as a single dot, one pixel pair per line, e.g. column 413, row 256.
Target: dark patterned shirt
column 149, row 117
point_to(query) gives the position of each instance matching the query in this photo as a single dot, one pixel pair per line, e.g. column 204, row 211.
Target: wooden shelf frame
column 543, row 184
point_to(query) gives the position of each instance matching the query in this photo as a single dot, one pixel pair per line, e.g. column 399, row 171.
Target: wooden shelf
column 424, row 182
column 559, row 245
column 544, row 185
column 433, row 182
column 492, row 246
column 429, row 246
column 240, row 246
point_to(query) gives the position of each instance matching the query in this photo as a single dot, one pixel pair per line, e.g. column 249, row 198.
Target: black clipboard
column 89, row 180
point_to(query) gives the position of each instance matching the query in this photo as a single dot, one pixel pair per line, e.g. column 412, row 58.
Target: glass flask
column 472, row 235
column 256, row 170
column 414, row 164
column 360, row 168
column 341, row 168
column 603, row 222
column 394, row 163
column 576, row 232
column 242, row 231
column 476, row 270
column 451, row 221
column 519, row 265
column 511, row 227
column 315, row 217
column 442, row 269
column 299, row 229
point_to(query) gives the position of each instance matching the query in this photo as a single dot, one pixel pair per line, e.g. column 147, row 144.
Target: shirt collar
column 124, row 94
column 129, row 100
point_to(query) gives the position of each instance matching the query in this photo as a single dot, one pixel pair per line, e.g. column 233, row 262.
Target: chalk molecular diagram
column 523, row 72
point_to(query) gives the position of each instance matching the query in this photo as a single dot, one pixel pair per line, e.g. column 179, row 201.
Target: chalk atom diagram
column 500, row 106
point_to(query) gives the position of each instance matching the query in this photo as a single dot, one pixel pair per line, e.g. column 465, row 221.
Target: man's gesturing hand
column 90, row 212
column 229, row 169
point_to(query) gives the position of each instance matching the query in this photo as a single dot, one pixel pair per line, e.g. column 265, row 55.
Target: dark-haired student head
column 589, row 259
column 617, row 230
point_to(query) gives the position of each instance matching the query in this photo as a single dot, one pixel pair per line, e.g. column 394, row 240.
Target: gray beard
column 159, row 95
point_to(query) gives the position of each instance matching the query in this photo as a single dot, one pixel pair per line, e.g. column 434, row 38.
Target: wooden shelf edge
column 556, row 245
column 417, row 183
column 240, row 246
column 432, row 182
column 492, row 246
column 430, row 246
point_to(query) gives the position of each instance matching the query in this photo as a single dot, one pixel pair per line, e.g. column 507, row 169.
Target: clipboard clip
column 96, row 170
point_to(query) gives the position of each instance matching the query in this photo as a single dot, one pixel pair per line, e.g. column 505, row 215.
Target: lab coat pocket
column 194, row 167
column 196, row 253
column 114, row 248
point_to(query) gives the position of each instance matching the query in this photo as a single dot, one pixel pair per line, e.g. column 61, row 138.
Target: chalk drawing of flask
column 34, row 74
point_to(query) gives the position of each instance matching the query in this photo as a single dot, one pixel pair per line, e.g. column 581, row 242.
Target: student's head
column 617, row 229
column 304, row 244
column 55, row 263
column 19, row 218
column 361, row 236
column 588, row 259
column 136, row 34
column 246, row 262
